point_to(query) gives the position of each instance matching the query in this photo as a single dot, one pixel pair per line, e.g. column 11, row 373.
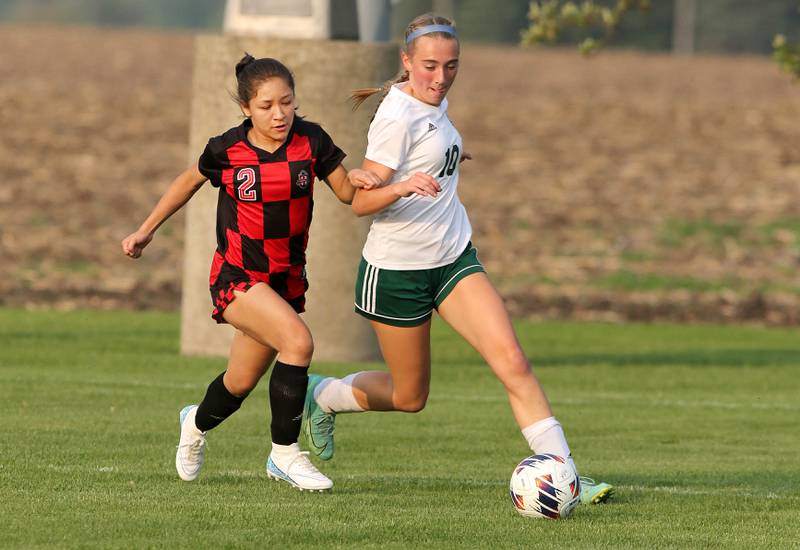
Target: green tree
column 787, row 55
column 550, row 19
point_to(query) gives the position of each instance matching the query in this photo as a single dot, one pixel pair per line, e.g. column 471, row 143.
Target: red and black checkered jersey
column 265, row 200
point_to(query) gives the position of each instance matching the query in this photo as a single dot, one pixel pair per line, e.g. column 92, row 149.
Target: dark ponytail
column 250, row 72
column 243, row 62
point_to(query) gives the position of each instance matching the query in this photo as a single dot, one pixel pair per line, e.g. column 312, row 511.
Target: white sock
column 283, row 454
column 336, row 395
column 547, row 436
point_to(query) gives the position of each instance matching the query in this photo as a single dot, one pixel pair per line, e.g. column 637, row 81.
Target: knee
column 411, row 403
column 513, row 365
column 299, row 344
column 240, row 386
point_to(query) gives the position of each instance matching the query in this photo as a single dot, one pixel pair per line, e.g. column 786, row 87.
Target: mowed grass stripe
column 700, row 436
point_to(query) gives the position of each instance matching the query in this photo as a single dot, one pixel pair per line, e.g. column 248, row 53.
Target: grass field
column 697, row 426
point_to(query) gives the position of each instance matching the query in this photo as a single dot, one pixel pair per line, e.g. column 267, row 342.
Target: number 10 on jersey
column 450, row 161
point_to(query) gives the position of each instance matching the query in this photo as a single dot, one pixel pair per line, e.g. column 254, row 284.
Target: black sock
column 217, row 405
column 287, row 393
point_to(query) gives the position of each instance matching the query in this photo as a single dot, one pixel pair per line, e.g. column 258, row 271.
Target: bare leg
column 266, row 318
column 407, row 352
column 247, row 363
column 477, row 313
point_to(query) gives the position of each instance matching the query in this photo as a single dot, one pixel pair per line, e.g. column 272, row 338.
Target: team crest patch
column 302, row 179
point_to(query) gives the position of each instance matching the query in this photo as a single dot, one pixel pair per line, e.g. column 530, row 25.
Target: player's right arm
column 370, row 201
column 179, row 192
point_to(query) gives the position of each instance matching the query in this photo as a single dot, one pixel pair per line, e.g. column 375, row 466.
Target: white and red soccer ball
column 545, row 486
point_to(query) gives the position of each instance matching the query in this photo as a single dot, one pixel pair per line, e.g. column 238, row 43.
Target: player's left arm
column 344, row 183
column 368, row 202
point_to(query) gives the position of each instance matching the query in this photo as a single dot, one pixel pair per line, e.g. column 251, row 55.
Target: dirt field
column 628, row 186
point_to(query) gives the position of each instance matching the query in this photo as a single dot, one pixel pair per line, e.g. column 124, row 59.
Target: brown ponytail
column 362, row 94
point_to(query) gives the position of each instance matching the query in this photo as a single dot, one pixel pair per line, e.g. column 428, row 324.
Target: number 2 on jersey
column 246, row 179
column 450, row 161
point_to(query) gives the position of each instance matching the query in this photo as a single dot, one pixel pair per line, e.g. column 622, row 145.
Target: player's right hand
column 420, row 184
column 133, row 244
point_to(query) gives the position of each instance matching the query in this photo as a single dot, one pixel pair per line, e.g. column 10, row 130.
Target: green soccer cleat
column 593, row 492
column 317, row 424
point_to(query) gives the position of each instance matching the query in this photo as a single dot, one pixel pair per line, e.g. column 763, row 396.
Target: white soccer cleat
column 298, row 471
column 191, row 447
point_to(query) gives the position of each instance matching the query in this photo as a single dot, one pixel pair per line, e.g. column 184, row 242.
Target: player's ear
column 406, row 61
column 245, row 109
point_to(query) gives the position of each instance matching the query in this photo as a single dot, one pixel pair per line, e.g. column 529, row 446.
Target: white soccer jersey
column 417, row 232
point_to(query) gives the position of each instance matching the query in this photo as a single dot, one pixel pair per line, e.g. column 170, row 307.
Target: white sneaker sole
column 276, row 477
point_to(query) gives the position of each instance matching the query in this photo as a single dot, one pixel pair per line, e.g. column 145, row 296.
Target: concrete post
column 373, row 20
column 684, row 26
column 325, row 73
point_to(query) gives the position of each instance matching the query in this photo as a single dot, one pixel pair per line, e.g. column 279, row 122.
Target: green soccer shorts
column 406, row 298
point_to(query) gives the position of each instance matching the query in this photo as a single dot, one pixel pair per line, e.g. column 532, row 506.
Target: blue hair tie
column 429, row 29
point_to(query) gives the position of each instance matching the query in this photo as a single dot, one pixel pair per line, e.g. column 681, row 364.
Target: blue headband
column 429, row 29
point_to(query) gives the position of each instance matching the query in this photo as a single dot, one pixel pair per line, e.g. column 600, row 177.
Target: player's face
column 432, row 67
column 272, row 109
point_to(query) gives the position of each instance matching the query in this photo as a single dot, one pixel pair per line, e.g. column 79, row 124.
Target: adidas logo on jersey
column 431, row 127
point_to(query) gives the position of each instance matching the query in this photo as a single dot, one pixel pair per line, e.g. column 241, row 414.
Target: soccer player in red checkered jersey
column 265, row 170
column 418, row 257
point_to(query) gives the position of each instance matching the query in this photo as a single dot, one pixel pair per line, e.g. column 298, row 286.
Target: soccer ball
column 545, row 486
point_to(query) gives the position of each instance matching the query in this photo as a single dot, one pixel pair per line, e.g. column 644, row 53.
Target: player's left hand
column 364, row 179
column 465, row 156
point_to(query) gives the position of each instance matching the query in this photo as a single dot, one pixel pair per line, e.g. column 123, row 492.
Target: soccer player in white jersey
column 418, row 257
